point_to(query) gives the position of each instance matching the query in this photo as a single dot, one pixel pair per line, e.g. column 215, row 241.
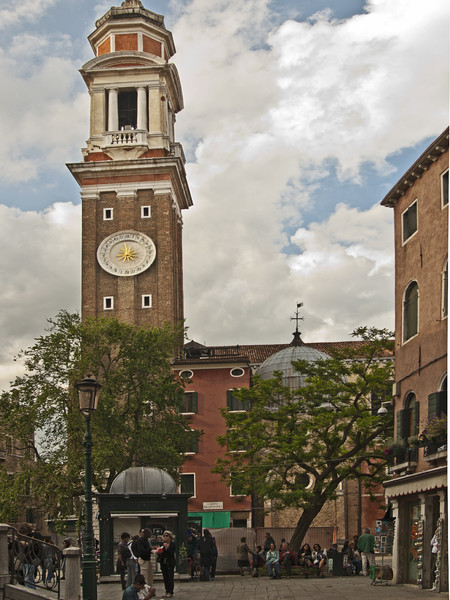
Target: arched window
column 411, row 311
column 408, row 418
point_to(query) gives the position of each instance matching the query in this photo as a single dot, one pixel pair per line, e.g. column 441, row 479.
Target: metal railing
column 34, row 563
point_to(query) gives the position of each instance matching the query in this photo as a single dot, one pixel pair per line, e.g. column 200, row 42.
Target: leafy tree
column 136, row 423
column 326, row 431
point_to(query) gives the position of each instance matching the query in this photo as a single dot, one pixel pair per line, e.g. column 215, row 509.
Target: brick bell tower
column 132, row 179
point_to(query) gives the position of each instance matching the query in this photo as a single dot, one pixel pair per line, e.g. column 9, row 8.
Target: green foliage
column 328, row 430
column 136, row 422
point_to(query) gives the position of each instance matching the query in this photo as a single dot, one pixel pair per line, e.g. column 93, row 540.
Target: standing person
column 167, row 562
column 192, row 554
column 48, row 560
column 215, row 557
column 273, row 562
column 269, row 540
column 366, row 544
column 134, row 591
column 206, row 549
column 132, row 562
column 242, row 556
column 144, row 553
column 123, row 554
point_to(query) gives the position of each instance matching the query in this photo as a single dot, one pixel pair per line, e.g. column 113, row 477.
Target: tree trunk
column 304, row 523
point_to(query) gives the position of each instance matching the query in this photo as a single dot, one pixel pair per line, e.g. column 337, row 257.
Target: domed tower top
column 132, row 27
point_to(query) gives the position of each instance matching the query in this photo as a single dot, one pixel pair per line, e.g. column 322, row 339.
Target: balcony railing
column 435, row 451
column 405, row 459
column 125, row 137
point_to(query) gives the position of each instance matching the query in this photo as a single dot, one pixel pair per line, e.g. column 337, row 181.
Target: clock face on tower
column 126, row 253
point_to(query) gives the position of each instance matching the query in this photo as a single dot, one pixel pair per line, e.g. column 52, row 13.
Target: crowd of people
column 136, row 554
column 357, row 556
column 134, row 562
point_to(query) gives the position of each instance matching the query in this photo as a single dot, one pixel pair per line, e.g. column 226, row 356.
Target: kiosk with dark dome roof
column 140, row 497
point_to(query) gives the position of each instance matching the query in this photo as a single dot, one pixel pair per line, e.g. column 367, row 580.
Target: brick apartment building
column 418, row 490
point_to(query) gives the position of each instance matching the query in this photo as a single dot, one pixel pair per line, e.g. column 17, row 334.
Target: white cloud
column 43, row 106
column 268, row 109
column 40, row 273
column 265, row 124
column 24, row 10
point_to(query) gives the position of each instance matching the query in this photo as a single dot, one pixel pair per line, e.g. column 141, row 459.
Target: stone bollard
column 4, row 559
column 72, row 589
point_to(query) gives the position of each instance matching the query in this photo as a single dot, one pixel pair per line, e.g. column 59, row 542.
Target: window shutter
column 432, row 405
column 229, row 399
column 416, row 415
column 194, row 402
column 245, row 404
column 437, row 404
column 401, row 423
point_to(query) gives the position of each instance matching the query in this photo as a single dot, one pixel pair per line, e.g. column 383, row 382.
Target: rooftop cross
column 297, row 318
column 297, row 339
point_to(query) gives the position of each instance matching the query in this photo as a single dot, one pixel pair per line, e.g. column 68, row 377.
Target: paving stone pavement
column 235, row 587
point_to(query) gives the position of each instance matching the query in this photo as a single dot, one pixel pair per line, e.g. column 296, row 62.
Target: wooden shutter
column 437, row 404
column 401, row 417
column 416, row 414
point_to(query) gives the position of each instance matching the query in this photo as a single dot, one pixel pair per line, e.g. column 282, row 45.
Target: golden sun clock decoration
column 126, row 253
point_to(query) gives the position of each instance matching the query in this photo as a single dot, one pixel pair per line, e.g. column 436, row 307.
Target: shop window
column 409, row 222
column 411, row 311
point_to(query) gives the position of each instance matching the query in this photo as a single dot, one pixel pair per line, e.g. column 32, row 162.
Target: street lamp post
column 88, row 392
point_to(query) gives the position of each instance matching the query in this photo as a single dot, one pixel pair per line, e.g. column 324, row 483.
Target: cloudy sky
column 299, row 117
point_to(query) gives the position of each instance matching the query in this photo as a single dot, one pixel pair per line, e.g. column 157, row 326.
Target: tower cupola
column 135, row 92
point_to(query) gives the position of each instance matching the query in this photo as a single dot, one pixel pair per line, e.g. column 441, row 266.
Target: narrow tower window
column 108, row 214
column 108, row 303
column 146, row 212
column 146, row 301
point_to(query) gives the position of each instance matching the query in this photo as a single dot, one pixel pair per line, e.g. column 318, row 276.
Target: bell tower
column 132, row 177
